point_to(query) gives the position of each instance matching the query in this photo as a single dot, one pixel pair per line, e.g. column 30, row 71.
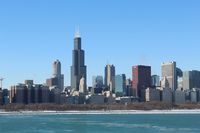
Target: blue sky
column 34, row 33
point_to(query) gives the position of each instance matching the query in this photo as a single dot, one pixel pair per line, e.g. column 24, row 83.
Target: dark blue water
column 100, row 123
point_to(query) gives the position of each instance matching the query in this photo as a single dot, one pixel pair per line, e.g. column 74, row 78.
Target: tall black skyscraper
column 78, row 68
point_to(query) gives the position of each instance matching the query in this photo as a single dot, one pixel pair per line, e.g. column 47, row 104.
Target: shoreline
column 137, row 108
column 105, row 112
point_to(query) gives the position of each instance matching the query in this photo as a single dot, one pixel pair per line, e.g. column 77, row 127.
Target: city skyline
column 142, row 38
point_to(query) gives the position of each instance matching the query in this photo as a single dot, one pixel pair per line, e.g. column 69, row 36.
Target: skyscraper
column 110, row 77
column 170, row 73
column 57, row 79
column 155, row 81
column 57, row 74
column 97, row 81
column 78, row 68
column 56, row 68
column 120, row 84
column 129, row 90
column 141, row 79
column 191, row 79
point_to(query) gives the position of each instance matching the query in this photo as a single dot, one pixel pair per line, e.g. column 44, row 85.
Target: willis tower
column 78, row 68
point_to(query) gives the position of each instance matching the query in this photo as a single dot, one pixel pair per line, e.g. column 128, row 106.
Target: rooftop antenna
column 1, row 82
column 77, row 32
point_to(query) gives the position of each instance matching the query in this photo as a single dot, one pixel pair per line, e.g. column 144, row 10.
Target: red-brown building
column 141, row 79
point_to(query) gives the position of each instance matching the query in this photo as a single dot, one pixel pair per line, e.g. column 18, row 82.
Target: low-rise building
column 193, row 96
column 55, row 95
column 97, row 99
column 110, row 100
column 179, row 97
column 5, row 96
column 29, row 93
column 45, row 93
column 1, row 97
column 72, row 99
column 20, row 93
column 198, row 95
column 152, row 95
column 125, row 100
column 63, row 98
column 166, row 95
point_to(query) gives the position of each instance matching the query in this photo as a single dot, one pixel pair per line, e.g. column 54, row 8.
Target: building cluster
column 173, row 86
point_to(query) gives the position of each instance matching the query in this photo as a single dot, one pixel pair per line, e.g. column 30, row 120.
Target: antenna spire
column 77, row 32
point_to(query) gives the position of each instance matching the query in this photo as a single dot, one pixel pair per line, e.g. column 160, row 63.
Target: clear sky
column 34, row 33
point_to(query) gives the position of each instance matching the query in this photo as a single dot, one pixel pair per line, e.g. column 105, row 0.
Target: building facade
column 120, row 84
column 110, row 77
column 29, row 94
column 167, row 95
column 155, row 80
column 191, row 79
column 141, row 79
column 169, row 72
column 129, row 87
column 97, row 81
column 179, row 97
column 57, row 74
column 78, row 68
column 152, row 95
column 57, row 79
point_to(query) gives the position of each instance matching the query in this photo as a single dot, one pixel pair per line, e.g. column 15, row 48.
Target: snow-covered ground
column 194, row 111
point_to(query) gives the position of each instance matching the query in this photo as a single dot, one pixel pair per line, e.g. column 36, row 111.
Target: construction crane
column 1, row 82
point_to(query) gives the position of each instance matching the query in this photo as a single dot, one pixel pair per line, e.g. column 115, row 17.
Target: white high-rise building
column 82, row 88
column 169, row 72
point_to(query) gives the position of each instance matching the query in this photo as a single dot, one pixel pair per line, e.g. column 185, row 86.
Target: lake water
column 101, row 123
